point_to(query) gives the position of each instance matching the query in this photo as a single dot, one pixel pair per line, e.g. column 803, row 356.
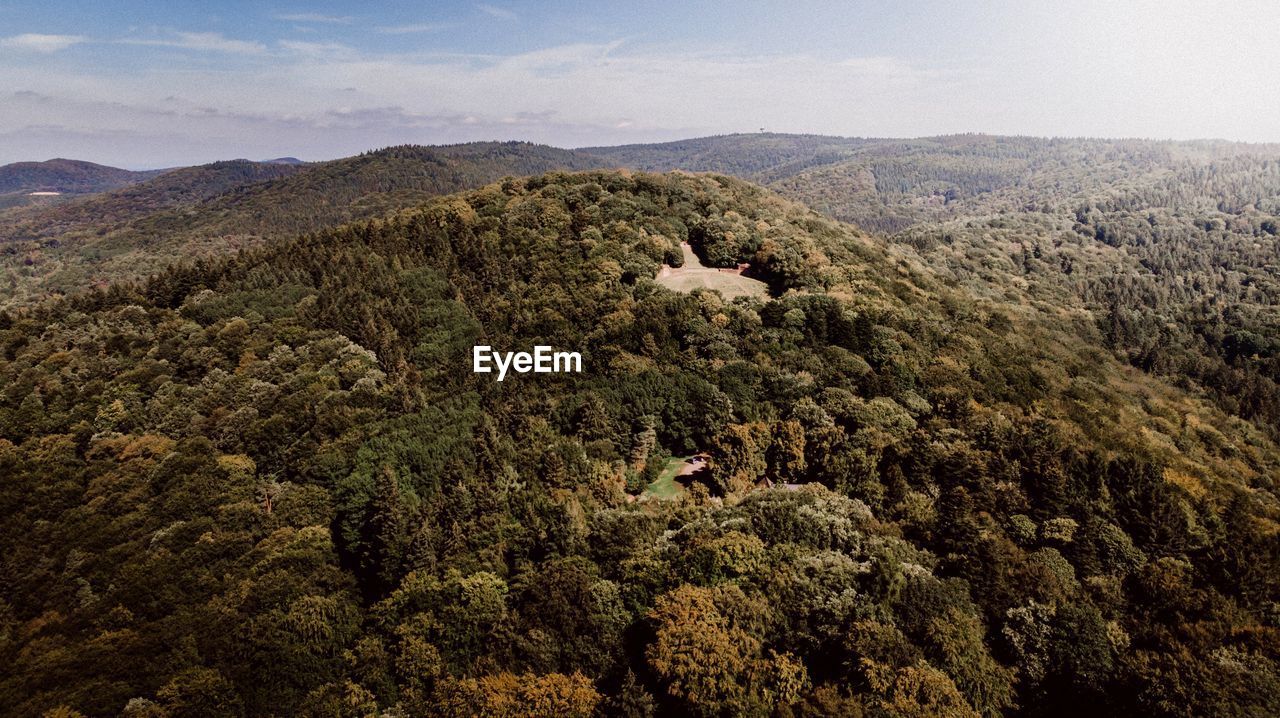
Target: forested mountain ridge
column 887, row 185
column 64, row 178
column 1171, row 247
column 218, row 208
column 270, row 483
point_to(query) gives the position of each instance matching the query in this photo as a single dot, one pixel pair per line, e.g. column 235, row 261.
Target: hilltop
column 271, row 482
column 1168, row 248
column 225, row 206
column 60, row 179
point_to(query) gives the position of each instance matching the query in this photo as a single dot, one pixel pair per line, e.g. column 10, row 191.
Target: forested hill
column 271, row 484
column 887, row 185
column 746, row 155
column 221, row 207
column 1171, row 247
column 66, row 178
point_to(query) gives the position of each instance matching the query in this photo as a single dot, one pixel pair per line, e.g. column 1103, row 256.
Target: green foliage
column 66, row 178
column 219, row 208
column 270, row 483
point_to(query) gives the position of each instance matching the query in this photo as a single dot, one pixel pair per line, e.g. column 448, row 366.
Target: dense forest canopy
column 269, row 484
column 219, row 208
column 1171, row 247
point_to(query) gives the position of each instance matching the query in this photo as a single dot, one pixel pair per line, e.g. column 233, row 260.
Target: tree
column 200, row 693
column 388, row 531
column 919, row 691
column 713, row 666
column 786, row 454
column 737, row 456
column 510, row 695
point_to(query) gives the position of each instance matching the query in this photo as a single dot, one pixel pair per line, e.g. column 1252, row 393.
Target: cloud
column 35, row 42
column 317, row 49
column 316, row 18
column 180, row 132
column 410, row 29
column 321, row 99
column 606, row 92
column 882, row 67
column 326, row 100
column 204, row 41
column 498, row 12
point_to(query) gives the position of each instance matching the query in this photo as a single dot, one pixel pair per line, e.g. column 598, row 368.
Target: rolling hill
column 59, row 179
column 1169, row 247
column 887, row 185
column 225, row 206
column 271, row 482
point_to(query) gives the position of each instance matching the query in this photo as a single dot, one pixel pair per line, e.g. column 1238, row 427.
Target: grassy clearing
column 695, row 275
column 665, row 486
column 729, row 285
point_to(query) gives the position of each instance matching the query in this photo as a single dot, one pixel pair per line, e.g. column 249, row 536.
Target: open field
column 694, row 274
column 666, row 486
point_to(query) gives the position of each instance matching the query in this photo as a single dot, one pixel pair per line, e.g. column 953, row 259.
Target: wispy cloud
column 204, row 41
column 317, row 49
column 321, row 99
column 416, row 28
column 316, row 17
column 498, row 12
column 326, row 99
column 35, row 42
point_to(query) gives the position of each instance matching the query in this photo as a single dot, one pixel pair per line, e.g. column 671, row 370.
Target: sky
column 142, row 84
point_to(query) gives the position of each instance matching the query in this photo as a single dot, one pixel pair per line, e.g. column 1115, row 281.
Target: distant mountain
column 67, row 176
column 27, row 182
column 743, row 155
column 226, row 206
column 100, row 215
column 284, row 161
column 889, row 185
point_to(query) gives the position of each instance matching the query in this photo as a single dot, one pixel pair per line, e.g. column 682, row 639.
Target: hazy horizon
column 160, row 87
column 287, row 156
